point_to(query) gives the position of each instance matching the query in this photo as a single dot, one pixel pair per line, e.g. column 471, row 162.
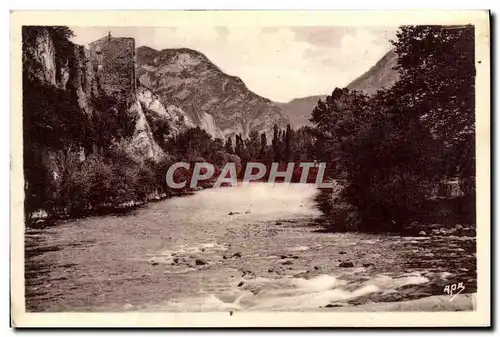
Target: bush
column 338, row 216
column 102, row 180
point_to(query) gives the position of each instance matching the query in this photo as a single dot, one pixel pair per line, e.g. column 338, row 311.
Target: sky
column 280, row 63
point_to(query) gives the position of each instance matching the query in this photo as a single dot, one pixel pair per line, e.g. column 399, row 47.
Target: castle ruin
column 113, row 62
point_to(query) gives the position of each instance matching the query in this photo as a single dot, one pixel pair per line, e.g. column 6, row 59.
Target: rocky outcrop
column 52, row 62
column 142, row 143
column 219, row 103
column 113, row 62
column 85, row 82
column 178, row 119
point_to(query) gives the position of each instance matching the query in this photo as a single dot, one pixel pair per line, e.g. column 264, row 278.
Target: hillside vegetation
column 394, row 149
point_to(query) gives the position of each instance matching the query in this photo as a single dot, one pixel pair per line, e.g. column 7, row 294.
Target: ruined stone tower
column 113, row 63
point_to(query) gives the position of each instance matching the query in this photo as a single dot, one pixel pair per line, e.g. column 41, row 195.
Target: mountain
column 217, row 102
column 298, row 111
column 95, row 138
column 135, row 96
column 381, row 75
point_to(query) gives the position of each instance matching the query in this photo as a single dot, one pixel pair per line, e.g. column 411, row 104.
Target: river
column 255, row 248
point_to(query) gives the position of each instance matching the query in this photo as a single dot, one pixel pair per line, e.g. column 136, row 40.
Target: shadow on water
column 39, row 273
column 40, row 276
column 36, row 274
column 440, row 212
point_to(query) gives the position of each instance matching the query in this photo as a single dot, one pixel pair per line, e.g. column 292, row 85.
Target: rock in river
column 336, row 305
column 200, row 262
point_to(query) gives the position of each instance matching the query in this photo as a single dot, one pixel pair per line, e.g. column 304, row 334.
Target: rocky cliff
column 81, row 85
column 203, row 94
column 113, row 80
column 177, row 119
column 50, row 61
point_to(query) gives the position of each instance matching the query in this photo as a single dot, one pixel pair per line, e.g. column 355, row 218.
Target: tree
column 252, row 145
column 192, row 144
column 238, row 148
column 62, row 32
column 229, row 145
column 390, row 164
column 288, row 142
column 304, row 141
column 336, row 120
column 217, row 145
column 436, row 66
column 276, row 143
column 263, row 146
column 393, row 147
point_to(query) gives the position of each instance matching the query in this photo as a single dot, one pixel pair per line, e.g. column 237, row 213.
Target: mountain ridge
column 220, row 103
column 296, row 109
column 381, row 75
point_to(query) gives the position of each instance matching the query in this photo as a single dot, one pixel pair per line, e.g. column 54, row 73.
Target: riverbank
column 440, row 216
column 42, row 218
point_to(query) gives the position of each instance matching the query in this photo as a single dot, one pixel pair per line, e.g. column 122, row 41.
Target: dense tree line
column 286, row 146
column 394, row 148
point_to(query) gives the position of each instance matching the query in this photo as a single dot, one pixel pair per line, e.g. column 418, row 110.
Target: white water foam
column 293, row 293
column 298, row 249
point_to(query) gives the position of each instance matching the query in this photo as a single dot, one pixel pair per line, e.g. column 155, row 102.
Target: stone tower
column 113, row 63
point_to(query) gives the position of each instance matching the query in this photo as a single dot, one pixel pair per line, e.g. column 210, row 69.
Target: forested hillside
column 397, row 148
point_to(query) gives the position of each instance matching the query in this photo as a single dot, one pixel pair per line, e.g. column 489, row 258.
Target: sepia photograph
column 246, row 164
